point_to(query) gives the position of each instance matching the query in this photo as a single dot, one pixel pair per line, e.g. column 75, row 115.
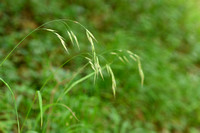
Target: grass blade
column 13, row 96
column 78, row 81
column 40, row 104
column 62, row 105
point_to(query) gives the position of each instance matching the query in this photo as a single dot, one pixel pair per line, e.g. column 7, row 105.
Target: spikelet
column 76, row 40
column 90, row 34
column 113, row 53
column 99, row 68
column 114, row 85
column 91, row 41
column 93, row 67
column 124, row 57
column 90, row 62
column 140, row 69
column 59, row 37
column 70, row 37
column 131, row 53
column 137, row 58
column 132, row 56
column 119, row 57
column 49, row 30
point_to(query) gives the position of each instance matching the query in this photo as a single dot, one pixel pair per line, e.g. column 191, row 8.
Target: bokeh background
column 164, row 33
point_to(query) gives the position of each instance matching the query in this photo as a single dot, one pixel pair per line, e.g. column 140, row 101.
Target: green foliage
column 164, row 33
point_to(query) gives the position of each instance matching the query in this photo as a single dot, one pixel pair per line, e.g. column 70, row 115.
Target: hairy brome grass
column 93, row 60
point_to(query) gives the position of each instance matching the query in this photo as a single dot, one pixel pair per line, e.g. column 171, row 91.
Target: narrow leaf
column 40, row 104
column 15, row 105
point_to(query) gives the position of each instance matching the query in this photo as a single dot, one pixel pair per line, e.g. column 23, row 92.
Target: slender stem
column 46, row 81
column 74, row 76
column 15, row 105
column 29, row 110
column 57, row 20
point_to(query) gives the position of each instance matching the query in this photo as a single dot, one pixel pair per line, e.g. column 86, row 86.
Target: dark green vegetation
column 164, row 33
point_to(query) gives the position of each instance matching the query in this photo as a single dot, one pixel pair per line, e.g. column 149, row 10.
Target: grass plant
column 100, row 63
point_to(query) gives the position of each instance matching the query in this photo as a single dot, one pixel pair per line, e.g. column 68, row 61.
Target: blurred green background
column 164, row 33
